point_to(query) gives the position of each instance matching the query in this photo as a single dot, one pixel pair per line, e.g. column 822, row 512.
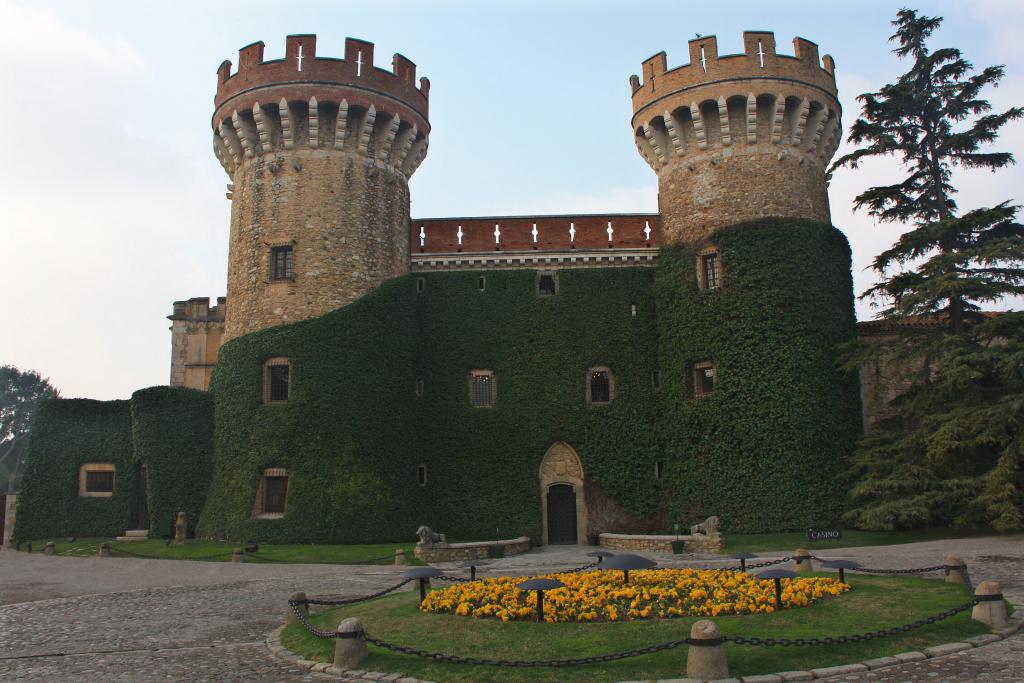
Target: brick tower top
column 737, row 137
column 301, row 74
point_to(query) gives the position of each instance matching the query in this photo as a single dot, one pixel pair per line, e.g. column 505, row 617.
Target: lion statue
column 428, row 536
column 711, row 525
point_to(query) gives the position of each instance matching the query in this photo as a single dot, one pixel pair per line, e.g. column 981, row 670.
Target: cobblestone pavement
column 155, row 620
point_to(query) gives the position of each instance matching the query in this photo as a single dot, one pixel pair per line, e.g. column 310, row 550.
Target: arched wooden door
column 561, row 490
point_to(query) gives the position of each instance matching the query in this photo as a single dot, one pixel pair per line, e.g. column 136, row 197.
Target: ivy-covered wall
column 763, row 452
column 766, row 450
column 66, row 434
column 172, row 434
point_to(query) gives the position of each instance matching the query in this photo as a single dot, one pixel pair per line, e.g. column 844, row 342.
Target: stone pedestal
column 104, row 550
column 289, row 616
column 237, row 555
column 180, row 528
column 50, row 549
column 349, row 646
column 400, row 559
column 955, row 568
column 991, row 612
column 706, row 662
column 802, row 563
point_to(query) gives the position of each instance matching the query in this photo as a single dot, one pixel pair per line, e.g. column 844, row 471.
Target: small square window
column 421, row 475
column 704, row 376
column 482, row 389
column 282, row 263
column 600, row 386
column 547, row 283
column 96, row 480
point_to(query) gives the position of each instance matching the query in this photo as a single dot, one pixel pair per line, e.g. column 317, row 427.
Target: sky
column 112, row 204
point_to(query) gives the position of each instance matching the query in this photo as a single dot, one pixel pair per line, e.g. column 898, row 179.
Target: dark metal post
column 842, row 576
column 472, row 572
column 423, row 590
column 600, row 559
column 540, row 606
column 743, row 564
column 625, row 576
column 778, row 593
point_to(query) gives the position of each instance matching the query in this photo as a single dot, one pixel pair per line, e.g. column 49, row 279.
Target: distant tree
column 954, row 453
column 19, row 394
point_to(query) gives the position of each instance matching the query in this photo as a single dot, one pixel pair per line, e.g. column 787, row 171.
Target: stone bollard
column 289, row 616
column 49, row 549
column 802, row 563
column 400, row 558
column 180, row 527
column 237, row 555
column 955, row 570
column 706, row 662
column 349, row 646
column 991, row 612
column 104, row 550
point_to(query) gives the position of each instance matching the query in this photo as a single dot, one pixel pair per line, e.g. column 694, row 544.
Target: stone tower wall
column 737, row 137
column 319, row 152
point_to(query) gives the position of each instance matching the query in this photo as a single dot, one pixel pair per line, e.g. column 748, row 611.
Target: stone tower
column 737, row 137
column 320, row 151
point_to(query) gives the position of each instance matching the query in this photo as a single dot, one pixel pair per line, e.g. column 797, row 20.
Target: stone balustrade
column 697, row 543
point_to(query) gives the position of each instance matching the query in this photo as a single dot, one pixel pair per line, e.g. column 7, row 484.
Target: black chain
column 349, row 601
column 369, row 560
column 835, row 640
column 158, row 557
column 455, row 579
column 456, row 659
column 300, row 616
column 756, row 565
column 576, row 570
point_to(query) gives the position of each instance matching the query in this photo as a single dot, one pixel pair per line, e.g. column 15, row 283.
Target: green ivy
column 172, row 433
column 66, row 434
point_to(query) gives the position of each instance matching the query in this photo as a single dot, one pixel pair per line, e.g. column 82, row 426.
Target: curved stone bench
column 663, row 544
column 478, row 550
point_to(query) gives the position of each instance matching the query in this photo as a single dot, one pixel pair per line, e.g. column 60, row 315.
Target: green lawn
column 874, row 603
column 220, row 551
column 790, row 541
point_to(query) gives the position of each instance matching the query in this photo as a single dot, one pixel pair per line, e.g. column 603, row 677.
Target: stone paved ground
column 123, row 619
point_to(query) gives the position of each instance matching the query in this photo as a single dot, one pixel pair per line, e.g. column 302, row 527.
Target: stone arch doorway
column 561, row 494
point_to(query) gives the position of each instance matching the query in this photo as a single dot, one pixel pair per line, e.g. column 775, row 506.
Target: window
column 272, row 494
column 547, row 283
column 421, row 475
column 632, row 310
column 282, row 263
column 709, row 275
column 481, row 283
column 421, row 284
column 419, row 386
column 656, row 379
column 96, row 480
column 659, row 469
column 703, row 378
column 482, row 388
column 600, row 386
column 277, row 380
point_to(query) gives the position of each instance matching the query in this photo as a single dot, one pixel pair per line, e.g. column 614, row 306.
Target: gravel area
column 117, row 619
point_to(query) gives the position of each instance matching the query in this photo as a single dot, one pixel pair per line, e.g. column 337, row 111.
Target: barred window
column 709, row 275
column 703, row 378
column 282, row 263
column 277, row 380
column 600, row 386
column 482, row 388
column 547, row 283
column 96, row 480
column 272, row 493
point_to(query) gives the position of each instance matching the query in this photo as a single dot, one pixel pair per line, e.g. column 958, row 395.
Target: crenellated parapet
column 738, row 136
column 308, row 102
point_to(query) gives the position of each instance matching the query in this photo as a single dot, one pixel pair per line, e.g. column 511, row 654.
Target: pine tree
column 20, row 392
column 953, row 453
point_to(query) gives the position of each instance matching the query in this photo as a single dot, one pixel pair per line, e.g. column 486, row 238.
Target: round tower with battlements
column 320, row 151
column 737, row 137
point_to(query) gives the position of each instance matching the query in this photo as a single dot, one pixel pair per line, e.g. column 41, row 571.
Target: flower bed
column 650, row 594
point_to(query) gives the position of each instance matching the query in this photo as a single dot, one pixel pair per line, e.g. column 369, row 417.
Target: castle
column 553, row 376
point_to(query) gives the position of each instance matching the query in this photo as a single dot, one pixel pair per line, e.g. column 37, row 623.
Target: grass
column 874, row 603
column 220, row 551
column 789, row 541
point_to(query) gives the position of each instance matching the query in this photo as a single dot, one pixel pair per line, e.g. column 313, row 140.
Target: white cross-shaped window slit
column 760, row 54
column 534, row 233
column 497, row 234
column 359, row 63
column 423, row 236
column 647, row 231
column 572, row 232
column 703, row 60
column 459, row 235
column 609, row 231
column 300, row 58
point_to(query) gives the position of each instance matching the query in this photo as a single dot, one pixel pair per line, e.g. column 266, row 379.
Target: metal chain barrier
column 576, row 570
column 369, row 560
column 756, row 565
column 835, row 640
column 122, row 551
column 348, row 601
